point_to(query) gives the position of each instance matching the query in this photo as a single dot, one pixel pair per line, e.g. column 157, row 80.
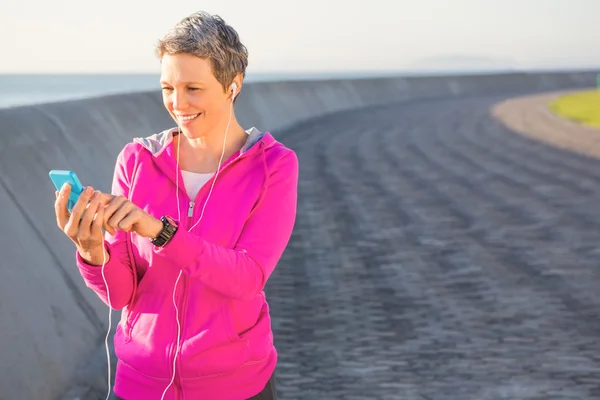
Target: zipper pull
column 191, row 210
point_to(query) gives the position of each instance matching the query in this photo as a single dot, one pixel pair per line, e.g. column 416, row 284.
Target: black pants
column 268, row 393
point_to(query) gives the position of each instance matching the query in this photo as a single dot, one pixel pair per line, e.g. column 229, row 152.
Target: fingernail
column 88, row 190
column 64, row 186
column 96, row 194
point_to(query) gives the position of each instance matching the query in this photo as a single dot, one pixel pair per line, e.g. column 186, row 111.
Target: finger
column 104, row 221
column 111, row 203
column 113, row 206
column 109, row 213
column 126, row 224
column 106, row 198
column 78, row 210
column 60, row 206
column 96, row 230
column 105, row 224
column 85, row 226
column 82, row 202
column 120, row 214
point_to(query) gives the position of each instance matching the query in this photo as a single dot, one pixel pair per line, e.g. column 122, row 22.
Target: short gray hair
column 207, row 36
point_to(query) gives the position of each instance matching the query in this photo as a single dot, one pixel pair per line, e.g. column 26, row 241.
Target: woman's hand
column 121, row 214
column 84, row 225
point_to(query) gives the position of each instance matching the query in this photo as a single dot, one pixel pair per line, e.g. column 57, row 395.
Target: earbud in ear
column 234, row 88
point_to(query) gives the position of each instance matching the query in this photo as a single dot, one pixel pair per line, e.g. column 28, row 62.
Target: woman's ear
column 236, row 86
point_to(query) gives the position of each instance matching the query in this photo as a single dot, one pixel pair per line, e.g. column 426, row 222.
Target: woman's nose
column 179, row 101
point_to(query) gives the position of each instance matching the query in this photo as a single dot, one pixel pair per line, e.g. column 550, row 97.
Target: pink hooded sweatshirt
column 226, row 346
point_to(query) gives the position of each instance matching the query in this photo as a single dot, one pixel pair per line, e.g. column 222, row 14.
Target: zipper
column 219, row 172
column 182, row 310
column 183, row 303
column 192, row 203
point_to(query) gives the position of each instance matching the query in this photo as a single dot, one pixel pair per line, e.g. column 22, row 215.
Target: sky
column 118, row 36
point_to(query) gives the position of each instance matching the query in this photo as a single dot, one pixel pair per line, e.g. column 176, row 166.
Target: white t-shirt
column 194, row 181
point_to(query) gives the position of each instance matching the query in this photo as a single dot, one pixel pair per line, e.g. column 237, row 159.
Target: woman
column 198, row 218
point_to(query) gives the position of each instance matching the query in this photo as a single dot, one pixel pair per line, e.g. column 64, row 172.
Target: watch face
column 171, row 221
column 169, row 229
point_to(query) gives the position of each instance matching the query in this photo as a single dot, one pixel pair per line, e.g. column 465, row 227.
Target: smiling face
column 192, row 95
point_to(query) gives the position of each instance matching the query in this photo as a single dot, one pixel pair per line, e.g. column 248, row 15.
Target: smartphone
column 60, row 177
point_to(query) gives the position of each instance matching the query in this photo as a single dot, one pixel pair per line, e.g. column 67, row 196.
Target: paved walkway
column 438, row 255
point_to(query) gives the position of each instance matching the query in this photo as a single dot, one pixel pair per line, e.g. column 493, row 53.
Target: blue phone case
column 60, row 177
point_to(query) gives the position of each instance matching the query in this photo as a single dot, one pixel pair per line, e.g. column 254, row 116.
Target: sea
column 29, row 89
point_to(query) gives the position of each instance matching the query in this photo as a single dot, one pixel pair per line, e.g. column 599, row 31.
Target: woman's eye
column 167, row 88
column 193, row 89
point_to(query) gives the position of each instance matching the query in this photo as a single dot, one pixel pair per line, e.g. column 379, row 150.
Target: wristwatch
column 167, row 232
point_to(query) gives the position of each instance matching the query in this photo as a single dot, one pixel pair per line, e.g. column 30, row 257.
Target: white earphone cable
column 178, row 345
column 218, row 167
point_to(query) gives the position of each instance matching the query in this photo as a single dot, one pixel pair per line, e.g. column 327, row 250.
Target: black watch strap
column 167, row 232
